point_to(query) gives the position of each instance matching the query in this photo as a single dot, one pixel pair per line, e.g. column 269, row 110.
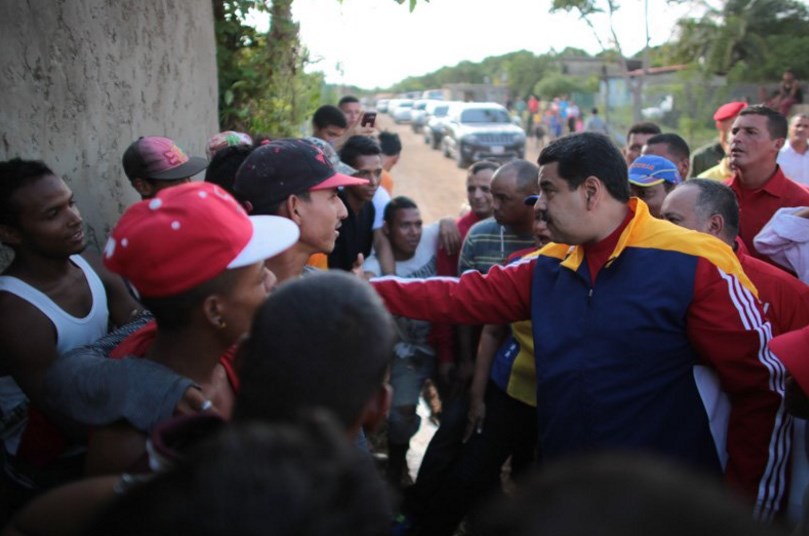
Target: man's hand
column 355, row 129
column 193, row 401
column 476, row 415
column 803, row 213
column 449, row 236
column 357, row 270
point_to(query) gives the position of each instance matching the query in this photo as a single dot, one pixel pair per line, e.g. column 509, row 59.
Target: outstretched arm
column 88, row 387
column 502, row 296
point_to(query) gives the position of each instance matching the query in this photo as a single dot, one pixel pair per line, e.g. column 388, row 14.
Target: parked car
column 475, row 131
column 434, row 127
column 419, row 115
column 382, row 106
column 433, row 94
column 392, row 104
column 401, row 114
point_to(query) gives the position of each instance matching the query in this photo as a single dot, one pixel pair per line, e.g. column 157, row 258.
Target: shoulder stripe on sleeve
column 773, row 480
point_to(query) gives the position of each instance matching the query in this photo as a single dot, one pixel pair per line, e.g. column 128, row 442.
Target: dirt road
column 434, row 182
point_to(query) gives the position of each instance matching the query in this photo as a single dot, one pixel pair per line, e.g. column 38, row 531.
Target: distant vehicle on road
column 434, row 126
column 392, row 104
column 401, row 114
column 479, row 130
column 433, row 94
column 382, row 106
column 419, row 114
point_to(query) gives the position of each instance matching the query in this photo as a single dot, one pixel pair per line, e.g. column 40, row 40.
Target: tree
column 262, row 84
column 587, row 10
column 748, row 40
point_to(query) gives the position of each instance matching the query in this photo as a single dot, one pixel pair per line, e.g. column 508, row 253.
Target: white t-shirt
column 424, row 255
column 380, row 200
column 793, row 164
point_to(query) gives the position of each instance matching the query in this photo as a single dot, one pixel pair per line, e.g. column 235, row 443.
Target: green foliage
column 556, row 84
column 747, row 40
column 520, row 71
column 262, row 84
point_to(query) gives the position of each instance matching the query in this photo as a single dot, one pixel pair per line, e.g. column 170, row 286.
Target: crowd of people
column 624, row 330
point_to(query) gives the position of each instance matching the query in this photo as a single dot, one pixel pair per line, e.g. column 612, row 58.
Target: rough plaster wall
column 81, row 79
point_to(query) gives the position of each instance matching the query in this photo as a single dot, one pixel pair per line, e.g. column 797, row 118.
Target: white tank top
column 71, row 332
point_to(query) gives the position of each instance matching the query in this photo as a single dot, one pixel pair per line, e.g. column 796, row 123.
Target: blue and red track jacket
column 666, row 352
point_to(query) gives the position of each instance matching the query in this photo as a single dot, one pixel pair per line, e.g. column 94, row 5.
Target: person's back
column 335, row 355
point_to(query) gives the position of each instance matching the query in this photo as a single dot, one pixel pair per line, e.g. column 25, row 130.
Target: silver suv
column 474, row 131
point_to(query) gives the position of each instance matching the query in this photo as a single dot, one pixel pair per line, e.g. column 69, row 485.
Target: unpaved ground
column 434, row 182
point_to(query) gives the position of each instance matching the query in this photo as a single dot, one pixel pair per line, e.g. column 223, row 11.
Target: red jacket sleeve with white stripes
column 728, row 329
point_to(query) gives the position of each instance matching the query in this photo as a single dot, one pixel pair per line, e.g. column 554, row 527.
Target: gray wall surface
column 81, row 79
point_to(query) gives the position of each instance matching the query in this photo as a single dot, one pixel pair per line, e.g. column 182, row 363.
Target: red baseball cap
column 153, row 157
column 792, row 349
column 190, row 234
column 729, row 110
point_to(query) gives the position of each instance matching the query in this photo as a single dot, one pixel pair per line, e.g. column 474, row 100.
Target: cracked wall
column 81, row 79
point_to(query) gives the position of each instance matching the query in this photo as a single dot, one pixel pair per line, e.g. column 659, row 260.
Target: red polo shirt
column 758, row 206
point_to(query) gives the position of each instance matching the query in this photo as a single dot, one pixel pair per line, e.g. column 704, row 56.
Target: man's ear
column 212, row 310
column 9, row 235
column 377, row 408
column 386, row 229
column 716, row 225
column 143, row 187
column 779, row 143
column 592, row 189
column 291, row 206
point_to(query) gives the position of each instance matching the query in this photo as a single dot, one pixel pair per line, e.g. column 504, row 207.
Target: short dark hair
column 252, row 479
column 173, row 313
column 224, row 164
column 14, row 174
column 777, row 124
column 480, row 165
column 676, row 144
column 527, row 175
column 321, row 341
column 619, row 494
column 358, row 146
column 329, row 115
column 390, row 143
column 586, row 154
column 397, row 203
column 348, row 99
column 716, row 198
column 646, row 127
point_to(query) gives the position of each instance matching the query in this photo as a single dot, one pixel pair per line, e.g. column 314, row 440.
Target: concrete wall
column 81, row 79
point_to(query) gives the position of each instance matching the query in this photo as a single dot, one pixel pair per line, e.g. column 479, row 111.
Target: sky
column 376, row 43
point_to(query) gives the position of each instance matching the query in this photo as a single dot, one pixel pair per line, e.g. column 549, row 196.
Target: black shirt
column 356, row 236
